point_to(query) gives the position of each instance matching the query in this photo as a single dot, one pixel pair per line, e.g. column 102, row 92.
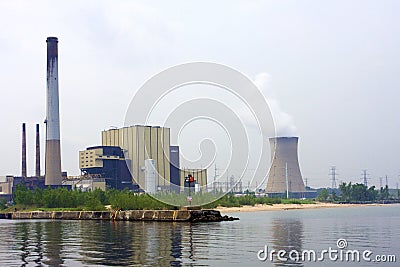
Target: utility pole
column 387, row 181
column 227, row 181
column 287, row 181
column 215, row 178
column 380, row 182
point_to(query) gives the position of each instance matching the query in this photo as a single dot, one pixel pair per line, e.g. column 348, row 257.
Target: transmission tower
column 365, row 177
column 215, row 178
column 333, row 175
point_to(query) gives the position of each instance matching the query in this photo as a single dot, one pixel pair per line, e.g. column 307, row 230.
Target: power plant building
column 175, row 168
column 199, row 175
column 108, row 163
column 140, row 143
column 284, row 177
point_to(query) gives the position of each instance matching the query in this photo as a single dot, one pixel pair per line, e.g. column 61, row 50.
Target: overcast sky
column 332, row 67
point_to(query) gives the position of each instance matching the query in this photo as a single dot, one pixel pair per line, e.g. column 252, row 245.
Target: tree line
column 76, row 199
column 355, row 193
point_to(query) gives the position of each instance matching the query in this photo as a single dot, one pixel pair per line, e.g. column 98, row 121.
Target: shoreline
column 281, row 207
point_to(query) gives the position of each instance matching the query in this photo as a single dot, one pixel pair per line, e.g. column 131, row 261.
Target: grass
column 298, row 201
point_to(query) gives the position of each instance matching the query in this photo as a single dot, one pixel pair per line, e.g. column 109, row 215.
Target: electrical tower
column 333, row 175
column 365, row 177
column 215, row 178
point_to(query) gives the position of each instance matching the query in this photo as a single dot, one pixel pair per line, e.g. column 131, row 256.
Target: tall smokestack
column 285, row 176
column 23, row 173
column 53, row 155
column 37, row 151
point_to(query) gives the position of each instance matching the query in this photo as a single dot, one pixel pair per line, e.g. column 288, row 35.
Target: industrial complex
column 138, row 158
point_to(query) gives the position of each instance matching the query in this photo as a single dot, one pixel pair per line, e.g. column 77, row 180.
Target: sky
column 329, row 69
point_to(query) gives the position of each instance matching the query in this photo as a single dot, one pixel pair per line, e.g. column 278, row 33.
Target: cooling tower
column 53, row 155
column 284, row 175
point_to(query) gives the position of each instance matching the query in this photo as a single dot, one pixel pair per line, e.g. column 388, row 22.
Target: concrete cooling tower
column 284, row 176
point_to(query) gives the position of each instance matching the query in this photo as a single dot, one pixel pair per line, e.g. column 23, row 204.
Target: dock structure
column 120, row 215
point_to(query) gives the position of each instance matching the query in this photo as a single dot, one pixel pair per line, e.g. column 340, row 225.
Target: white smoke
column 284, row 125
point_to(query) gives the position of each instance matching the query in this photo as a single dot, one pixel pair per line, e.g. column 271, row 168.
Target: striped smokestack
column 37, row 151
column 23, row 172
column 53, row 155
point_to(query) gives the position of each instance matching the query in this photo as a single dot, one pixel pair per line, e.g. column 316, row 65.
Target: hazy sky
column 333, row 67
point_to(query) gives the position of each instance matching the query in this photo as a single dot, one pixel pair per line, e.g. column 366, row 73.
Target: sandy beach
column 276, row 207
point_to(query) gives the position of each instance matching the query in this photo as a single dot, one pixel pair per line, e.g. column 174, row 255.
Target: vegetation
column 297, row 201
column 76, row 199
column 62, row 199
column 356, row 193
column 323, row 195
column 3, row 203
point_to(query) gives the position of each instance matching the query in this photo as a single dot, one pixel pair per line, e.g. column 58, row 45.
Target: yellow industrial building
column 140, row 143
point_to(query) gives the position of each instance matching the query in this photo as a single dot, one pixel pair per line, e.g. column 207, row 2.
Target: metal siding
column 154, row 152
column 160, row 158
column 147, row 137
column 141, row 148
column 166, row 149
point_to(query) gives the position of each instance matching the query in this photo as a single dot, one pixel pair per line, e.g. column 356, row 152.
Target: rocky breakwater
column 124, row 215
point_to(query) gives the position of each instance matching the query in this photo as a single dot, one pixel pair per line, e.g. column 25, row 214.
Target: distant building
column 108, row 163
column 175, row 169
column 6, row 184
column 140, row 143
column 199, row 175
column 85, row 183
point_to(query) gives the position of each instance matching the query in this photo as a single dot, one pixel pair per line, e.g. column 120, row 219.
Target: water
column 105, row 243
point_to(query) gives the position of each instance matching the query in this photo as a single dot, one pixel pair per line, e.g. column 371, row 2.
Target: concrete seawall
column 129, row 215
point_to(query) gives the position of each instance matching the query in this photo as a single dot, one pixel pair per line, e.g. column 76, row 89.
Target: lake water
column 105, row 243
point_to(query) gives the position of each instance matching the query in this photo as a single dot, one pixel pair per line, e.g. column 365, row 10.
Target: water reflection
column 105, row 243
column 55, row 243
column 287, row 234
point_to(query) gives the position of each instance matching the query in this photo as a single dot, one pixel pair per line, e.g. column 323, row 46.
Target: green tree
column 323, row 195
column 92, row 203
column 3, row 204
column 23, row 196
column 345, row 190
column 384, row 193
